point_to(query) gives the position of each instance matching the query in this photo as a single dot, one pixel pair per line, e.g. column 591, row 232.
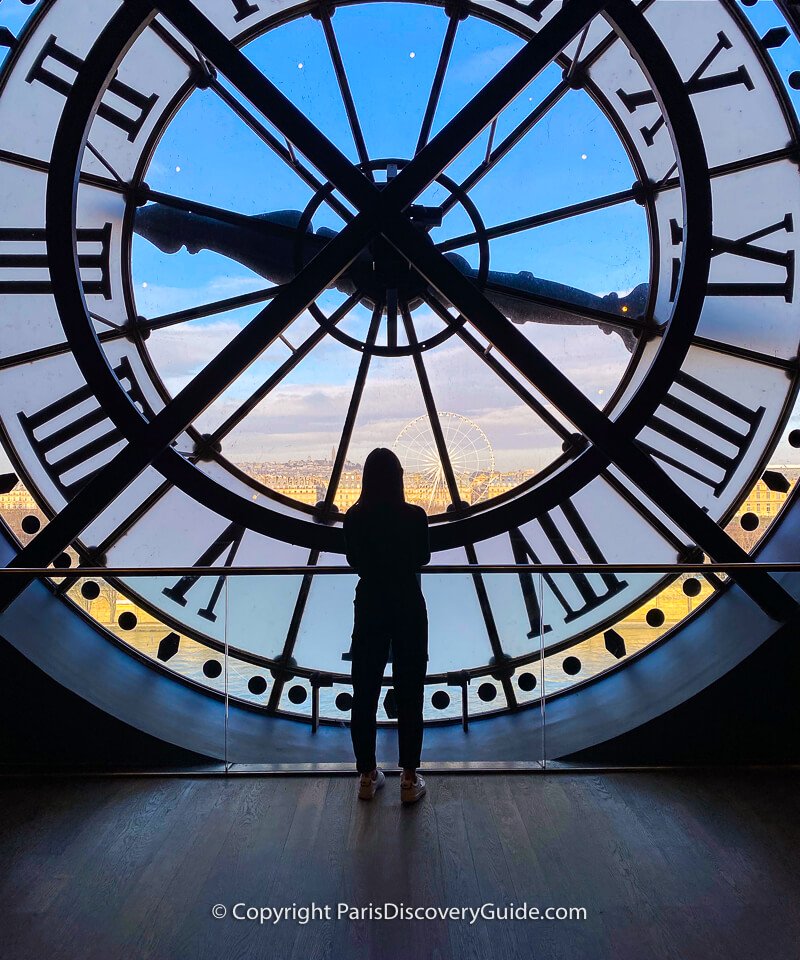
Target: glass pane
column 173, row 678
column 513, row 677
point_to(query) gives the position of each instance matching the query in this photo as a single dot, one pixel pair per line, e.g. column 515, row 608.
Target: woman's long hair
column 382, row 481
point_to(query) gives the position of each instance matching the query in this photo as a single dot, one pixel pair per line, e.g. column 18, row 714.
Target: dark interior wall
column 750, row 715
column 43, row 724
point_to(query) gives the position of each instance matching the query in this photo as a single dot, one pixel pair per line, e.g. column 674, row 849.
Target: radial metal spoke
column 352, row 410
column 789, row 364
column 789, row 152
column 284, row 151
column 54, row 350
column 391, row 318
column 344, row 87
column 210, row 309
column 538, row 113
column 280, row 677
column 280, row 374
column 84, row 177
column 538, row 220
column 504, row 374
column 433, row 415
column 455, row 496
column 438, row 80
column 142, row 326
column 283, row 370
column 508, row 143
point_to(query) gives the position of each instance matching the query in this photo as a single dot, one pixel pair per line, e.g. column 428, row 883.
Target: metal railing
column 452, row 568
column 284, row 669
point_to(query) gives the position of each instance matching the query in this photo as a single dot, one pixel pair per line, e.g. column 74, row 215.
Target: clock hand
column 264, row 244
column 267, row 245
column 525, row 298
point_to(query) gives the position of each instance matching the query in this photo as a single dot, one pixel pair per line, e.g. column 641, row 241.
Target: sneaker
column 367, row 787
column 412, row 790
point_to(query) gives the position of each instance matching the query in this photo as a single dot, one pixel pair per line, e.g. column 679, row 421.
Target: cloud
column 483, row 64
column 155, row 299
column 305, row 414
column 180, row 352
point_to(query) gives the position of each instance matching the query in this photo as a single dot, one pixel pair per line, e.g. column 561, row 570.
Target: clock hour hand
column 525, row 298
column 268, row 245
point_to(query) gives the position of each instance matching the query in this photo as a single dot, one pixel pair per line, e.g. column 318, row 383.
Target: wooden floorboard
column 670, row 865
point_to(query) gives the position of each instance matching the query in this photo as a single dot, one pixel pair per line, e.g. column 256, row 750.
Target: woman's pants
column 383, row 617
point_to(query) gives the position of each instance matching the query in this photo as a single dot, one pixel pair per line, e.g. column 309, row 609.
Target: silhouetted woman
column 387, row 543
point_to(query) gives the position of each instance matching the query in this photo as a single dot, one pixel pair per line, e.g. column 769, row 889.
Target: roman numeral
column 230, row 539
column 54, row 62
column 697, row 83
column 65, row 451
column 244, row 9
column 717, row 465
column 94, row 250
column 748, row 248
column 586, row 591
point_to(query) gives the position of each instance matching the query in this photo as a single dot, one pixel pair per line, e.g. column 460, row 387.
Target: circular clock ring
column 641, row 327
column 61, row 194
column 398, row 275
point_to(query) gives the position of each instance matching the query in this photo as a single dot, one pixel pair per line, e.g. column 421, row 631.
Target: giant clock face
column 616, row 301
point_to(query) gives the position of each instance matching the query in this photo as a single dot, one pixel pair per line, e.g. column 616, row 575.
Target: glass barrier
column 170, row 675
column 290, row 657
column 253, row 667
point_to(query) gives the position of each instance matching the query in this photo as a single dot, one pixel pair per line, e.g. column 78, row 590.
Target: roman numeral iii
column 23, row 260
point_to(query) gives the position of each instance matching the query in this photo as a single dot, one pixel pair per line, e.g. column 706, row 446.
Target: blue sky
column 572, row 155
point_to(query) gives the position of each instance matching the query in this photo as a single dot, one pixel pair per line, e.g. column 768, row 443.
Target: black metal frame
column 188, row 311
column 615, row 438
column 455, row 13
column 250, row 524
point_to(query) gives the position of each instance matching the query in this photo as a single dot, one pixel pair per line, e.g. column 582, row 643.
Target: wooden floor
column 674, row 864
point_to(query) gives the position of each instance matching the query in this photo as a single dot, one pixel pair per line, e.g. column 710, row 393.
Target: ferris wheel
column 469, row 452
